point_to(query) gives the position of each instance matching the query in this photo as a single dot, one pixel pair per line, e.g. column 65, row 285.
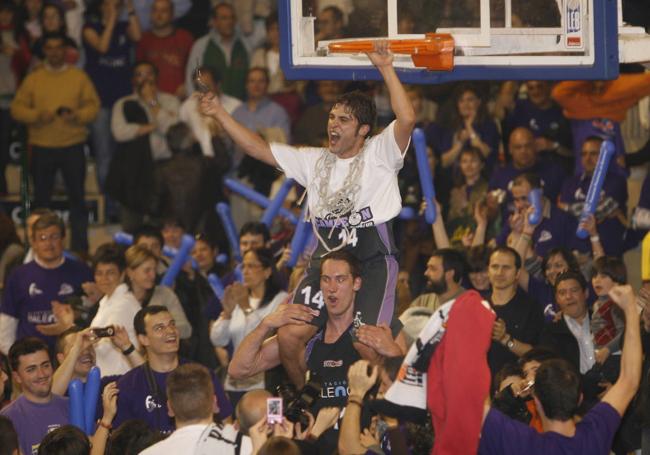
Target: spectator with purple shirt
column 525, row 159
column 612, row 205
column 557, row 395
column 37, row 411
column 556, row 228
column 142, row 390
column 33, row 287
column 464, row 122
column 539, row 113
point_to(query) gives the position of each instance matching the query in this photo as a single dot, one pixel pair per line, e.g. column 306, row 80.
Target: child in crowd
column 607, row 322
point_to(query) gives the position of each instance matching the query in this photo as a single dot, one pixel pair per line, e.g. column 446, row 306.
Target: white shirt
column 199, row 123
column 186, row 440
column 118, row 309
column 235, row 330
column 378, row 200
column 582, row 334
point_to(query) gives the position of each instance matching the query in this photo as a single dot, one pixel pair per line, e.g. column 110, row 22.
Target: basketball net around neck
column 339, row 202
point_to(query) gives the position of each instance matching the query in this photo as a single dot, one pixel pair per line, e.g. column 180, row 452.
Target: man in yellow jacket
column 56, row 102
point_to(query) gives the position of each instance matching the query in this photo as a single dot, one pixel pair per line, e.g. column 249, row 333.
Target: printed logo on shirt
column 333, row 363
column 40, row 317
column 545, row 236
column 334, row 389
column 34, row 290
column 360, row 218
column 66, row 289
column 150, row 404
column 410, row 376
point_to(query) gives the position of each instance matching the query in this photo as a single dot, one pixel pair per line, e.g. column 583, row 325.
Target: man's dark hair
column 212, row 71
column 557, row 387
column 452, row 260
column 180, row 138
column 361, row 106
column 65, row 440
column 147, row 230
column 336, row 12
column 222, row 5
column 25, row 346
column 145, row 63
column 531, row 178
column 537, row 354
column 279, row 445
column 109, row 253
column 255, row 228
column 612, row 267
column 478, row 258
column 567, row 255
column 259, row 69
column 509, row 369
column 392, row 365
column 190, row 392
column 346, row 256
column 138, row 319
column 132, row 437
column 52, row 35
column 593, row 138
column 47, row 220
column 60, row 340
column 570, row 275
column 8, row 436
column 508, row 250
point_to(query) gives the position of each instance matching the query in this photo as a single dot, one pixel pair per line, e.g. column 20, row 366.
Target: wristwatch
column 510, row 343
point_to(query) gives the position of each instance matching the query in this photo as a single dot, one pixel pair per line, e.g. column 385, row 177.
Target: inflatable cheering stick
column 596, row 185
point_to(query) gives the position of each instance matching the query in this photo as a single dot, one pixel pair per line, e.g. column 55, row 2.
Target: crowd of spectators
column 184, row 371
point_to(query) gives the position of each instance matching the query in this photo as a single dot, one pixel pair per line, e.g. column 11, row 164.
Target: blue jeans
column 103, row 148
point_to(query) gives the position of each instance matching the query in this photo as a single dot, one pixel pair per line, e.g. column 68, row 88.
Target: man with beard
column 445, row 271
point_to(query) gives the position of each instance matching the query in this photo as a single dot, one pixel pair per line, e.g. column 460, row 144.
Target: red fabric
column 458, row 379
column 169, row 55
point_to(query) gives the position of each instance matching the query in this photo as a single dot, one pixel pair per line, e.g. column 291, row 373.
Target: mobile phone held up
column 104, row 332
column 273, row 410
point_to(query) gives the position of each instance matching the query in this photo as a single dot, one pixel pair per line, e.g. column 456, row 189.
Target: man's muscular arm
column 250, row 142
column 256, row 353
column 399, row 101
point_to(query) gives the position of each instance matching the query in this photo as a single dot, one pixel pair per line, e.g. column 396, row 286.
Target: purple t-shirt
column 30, row 289
column 110, row 71
column 605, row 128
column 613, row 196
column 137, row 401
column 441, row 139
column 558, row 230
column 549, row 123
column 502, row 435
column 34, row 420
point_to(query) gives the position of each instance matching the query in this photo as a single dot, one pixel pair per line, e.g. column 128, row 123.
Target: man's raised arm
column 399, row 101
column 249, row 141
column 622, row 392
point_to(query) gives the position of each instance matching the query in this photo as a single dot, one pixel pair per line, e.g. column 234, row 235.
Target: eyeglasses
column 45, row 237
column 248, row 265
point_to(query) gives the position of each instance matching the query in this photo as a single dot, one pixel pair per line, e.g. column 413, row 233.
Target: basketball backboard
column 493, row 39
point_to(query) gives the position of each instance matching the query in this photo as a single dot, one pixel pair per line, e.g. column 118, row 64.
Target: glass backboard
column 493, row 39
